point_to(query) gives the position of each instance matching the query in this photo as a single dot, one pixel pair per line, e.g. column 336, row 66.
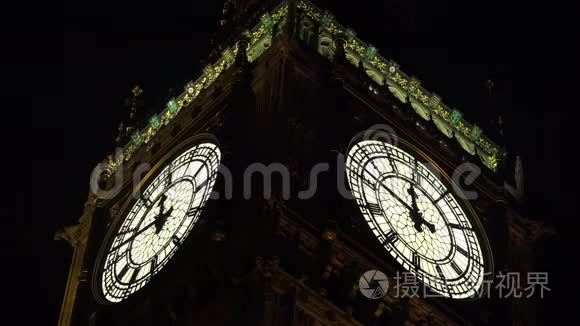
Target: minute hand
column 398, row 198
column 134, row 236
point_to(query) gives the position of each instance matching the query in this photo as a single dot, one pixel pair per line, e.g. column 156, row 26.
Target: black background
column 73, row 69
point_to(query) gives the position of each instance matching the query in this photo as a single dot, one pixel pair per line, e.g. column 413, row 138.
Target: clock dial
column 157, row 221
column 417, row 218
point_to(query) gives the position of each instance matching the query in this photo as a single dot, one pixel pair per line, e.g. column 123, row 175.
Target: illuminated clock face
column 416, row 218
column 157, row 221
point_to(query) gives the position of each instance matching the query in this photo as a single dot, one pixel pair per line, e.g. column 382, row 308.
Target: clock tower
column 300, row 179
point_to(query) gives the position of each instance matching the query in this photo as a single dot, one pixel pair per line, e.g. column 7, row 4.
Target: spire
column 235, row 10
column 235, row 16
column 489, row 85
column 291, row 23
column 126, row 128
column 498, row 121
column 227, row 13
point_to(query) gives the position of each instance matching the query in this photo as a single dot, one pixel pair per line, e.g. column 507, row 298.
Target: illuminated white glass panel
column 416, row 218
column 159, row 221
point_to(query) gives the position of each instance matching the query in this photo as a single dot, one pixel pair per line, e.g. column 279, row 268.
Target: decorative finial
column 137, row 91
column 242, row 55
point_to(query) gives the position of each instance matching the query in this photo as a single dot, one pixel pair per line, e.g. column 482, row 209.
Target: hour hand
column 416, row 215
column 429, row 225
column 411, row 192
column 162, row 216
column 419, row 221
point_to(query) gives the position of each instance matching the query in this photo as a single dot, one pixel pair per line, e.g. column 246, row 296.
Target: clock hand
column 411, row 192
column 162, row 216
column 157, row 218
column 397, row 197
column 142, row 217
column 158, row 221
column 420, row 220
column 155, row 222
column 415, row 215
column 133, row 236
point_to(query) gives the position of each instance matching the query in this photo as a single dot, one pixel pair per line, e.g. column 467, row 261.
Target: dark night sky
column 103, row 50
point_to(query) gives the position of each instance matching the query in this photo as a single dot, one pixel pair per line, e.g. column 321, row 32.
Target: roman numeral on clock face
column 456, row 268
column 391, row 161
column 375, row 209
column 146, row 200
column 201, row 167
column 462, row 251
column 202, row 184
column 153, row 263
column 123, row 271
column 390, row 238
column 442, row 196
column 368, row 183
column 134, row 276
column 168, row 177
column 458, row 226
column 192, row 211
column 416, row 261
column 440, row 272
column 416, row 175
